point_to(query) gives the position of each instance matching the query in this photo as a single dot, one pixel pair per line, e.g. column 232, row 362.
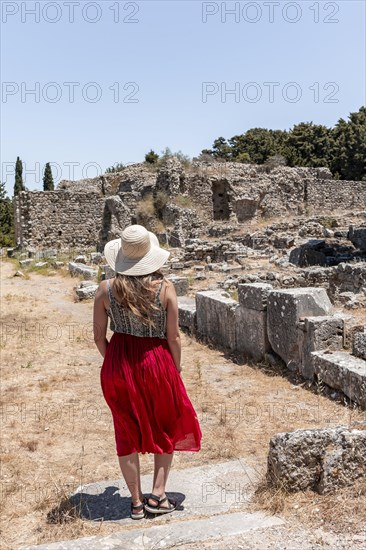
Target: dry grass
column 29, row 445
column 146, row 214
column 146, row 207
column 53, row 409
column 184, row 201
column 339, row 512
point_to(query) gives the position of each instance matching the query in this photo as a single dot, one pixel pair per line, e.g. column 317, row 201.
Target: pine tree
column 18, row 185
column 48, row 178
column 309, row 144
column 342, row 149
column 151, row 157
column 349, row 153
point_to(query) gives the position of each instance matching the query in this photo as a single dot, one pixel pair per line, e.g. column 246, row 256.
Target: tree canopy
column 342, row 149
column 6, row 218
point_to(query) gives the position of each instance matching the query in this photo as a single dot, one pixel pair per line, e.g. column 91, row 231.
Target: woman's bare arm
column 100, row 319
column 172, row 325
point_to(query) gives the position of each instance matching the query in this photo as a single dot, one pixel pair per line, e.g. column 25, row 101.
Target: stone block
column 216, row 318
column 87, row 291
column 81, row 259
column 285, row 307
column 58, row 265
column 316, row 334
column 86, row 284
column 231, row 268
column 32, row 252
column 308, row 253
column 82, row 270
column 359, row 345
column 25, row 262
column 251, row 333
column 352, row 326
column 344, row 372
column 97, row 257
column 254, row 296
column 357, row 235
column 48, row 253
column 321, row 459
column 181, row 284
column 176, row 238
column 187, row 314
column 177, row 265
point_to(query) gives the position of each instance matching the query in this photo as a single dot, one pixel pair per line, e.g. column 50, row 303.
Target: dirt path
column 58, row 431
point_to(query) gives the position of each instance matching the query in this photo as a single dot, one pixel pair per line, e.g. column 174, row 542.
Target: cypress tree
column 48, row 178
column 6, row 218
column 18, row 185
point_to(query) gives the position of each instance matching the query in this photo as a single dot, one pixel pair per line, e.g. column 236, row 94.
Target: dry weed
column 30, row 445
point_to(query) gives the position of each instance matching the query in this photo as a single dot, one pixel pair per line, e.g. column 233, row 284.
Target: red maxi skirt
column 151, row 410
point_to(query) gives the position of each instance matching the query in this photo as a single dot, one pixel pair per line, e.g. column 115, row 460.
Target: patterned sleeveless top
column 123, row 320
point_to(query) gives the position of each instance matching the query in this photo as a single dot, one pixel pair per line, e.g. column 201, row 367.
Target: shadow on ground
column 111, row 506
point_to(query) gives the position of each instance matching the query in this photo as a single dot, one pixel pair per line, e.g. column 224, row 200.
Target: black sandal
column 157, row 508
column 138, row 514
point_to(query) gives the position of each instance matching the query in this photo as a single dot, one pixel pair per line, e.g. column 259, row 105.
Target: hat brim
column 152, row 261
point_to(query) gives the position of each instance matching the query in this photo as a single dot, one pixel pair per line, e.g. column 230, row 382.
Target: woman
column 140, row 375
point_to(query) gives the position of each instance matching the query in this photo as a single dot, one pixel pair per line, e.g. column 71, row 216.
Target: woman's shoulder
column 168, row 289
column 105, row 284
column 166, row 283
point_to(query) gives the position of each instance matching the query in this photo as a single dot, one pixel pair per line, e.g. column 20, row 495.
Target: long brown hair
column 137, row 294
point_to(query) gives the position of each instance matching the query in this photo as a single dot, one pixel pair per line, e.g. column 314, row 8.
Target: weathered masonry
column 90, row 212
column 58, row 219
column 299, row 325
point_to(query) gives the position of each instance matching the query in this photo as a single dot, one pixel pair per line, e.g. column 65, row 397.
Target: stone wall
column 298, row 326
column 336, row 280
column 330, row 195
column 197, row 196
column 59, row 219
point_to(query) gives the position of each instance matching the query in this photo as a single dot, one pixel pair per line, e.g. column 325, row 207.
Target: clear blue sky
column 169, row 52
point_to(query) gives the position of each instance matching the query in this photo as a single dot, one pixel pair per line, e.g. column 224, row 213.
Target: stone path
column 212, row 503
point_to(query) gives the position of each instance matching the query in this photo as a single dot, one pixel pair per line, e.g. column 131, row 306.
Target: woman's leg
column 162, row 464
column 130, row 467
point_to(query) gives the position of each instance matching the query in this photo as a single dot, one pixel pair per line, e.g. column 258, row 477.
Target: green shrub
column 167, row 154
column 151, row 157
column 328, row 222
column 115, row 168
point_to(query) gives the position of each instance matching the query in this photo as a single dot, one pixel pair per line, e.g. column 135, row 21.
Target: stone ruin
column 268, row 264
column 212, row 199
column 283, row 248
column 321, row 460
column 298, row 326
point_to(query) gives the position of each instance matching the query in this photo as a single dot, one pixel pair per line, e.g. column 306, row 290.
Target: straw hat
column 137, row 252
